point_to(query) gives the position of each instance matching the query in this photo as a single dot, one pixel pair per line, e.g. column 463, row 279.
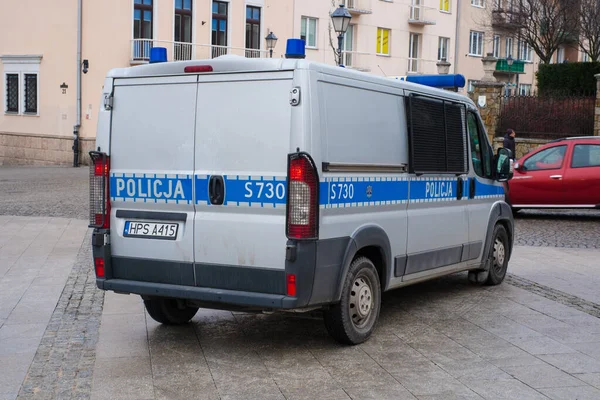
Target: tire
column 361, row 291
column 498, row 256
column 169, row 311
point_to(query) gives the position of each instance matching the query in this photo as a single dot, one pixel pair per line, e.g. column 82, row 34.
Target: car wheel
column 353, row 319
column 169, row 311
column 498, row 256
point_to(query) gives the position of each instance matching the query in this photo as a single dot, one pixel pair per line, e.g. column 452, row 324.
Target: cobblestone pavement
column 44, row 191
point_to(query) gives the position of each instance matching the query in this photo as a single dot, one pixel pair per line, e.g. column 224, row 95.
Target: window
column 524, row 89
column 413, row 52
column 142, row 19
column 415, row 10
column 509, row 47
column 20, row 84
column 551, row 158
column 496, row 49
column 443, row 45
column 348, row 46
column 476, row 44
column 586, row 155
column 12, row 93
column 253, row 31
column 470, row 86
column 438, row 138
column 219, row 28
column 183, row 30
column 585, row 57
column 525, row 52
column 560, row 55
column 445, row 5
column 477, row 3
column 481, row 152
column 383, row 41
column 308, row 31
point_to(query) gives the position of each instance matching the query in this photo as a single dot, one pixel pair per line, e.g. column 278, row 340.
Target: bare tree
column 545, row 25
column 589, row 28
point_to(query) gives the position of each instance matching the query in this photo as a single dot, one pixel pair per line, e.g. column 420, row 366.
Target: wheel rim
column 499, row 254
column 361, row 301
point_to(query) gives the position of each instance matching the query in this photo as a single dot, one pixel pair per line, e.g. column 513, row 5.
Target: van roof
column 237, row 64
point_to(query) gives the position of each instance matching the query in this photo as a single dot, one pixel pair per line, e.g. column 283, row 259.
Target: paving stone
column 505, row 390
column 542, row 376
column 573, row 363
column 574, row 392
column 591, row 379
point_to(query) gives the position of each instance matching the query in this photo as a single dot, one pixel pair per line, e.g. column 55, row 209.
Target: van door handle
column 555, row 176
column 216, row 189
column 472, row 188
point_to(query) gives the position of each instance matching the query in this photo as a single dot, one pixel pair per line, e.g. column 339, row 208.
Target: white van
column 283, row 184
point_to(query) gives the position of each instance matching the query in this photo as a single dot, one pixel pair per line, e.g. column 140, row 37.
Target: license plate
column 150, row 230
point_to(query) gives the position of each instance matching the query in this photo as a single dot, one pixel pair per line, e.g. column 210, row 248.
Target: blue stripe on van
column 271, row 191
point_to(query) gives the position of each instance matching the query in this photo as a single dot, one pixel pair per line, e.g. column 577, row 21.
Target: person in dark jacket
column 509, row 142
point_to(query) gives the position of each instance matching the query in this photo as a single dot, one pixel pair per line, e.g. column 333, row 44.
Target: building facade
column 391, row 38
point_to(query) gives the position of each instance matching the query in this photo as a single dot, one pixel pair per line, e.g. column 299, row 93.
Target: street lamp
column 341, row 20
column 509, row 62
column 271, row 42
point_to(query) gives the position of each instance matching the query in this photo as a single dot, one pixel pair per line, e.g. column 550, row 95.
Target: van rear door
column 243, row 132
column 151, row 176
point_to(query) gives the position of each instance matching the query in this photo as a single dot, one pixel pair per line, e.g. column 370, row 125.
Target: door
column 242, row 144
column 437, row 219
column 582, row 178
column 482, row 190
column 151, row 167
column 539, row 180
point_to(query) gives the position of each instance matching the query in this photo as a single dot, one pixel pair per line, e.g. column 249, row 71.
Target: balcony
column 502, row 67
column 180, row 51
column 417, row 16
column 355, row 60
column 507, row 19
column 358, row 7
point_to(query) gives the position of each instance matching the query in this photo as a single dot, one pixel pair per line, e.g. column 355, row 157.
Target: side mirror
column 503, row 165
column 518, row 166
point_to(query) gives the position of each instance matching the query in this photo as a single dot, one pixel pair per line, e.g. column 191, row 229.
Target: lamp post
column 509, row 62
column 271, row 42
column 341, row 20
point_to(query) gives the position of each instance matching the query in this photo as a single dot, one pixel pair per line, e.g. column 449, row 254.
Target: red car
column 564, row 173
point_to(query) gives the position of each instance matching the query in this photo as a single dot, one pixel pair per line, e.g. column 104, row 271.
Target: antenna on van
column 382, row 71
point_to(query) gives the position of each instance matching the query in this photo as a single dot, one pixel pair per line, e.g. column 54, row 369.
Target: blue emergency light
column 158, row 55
column 438, row 81
column 295, row 48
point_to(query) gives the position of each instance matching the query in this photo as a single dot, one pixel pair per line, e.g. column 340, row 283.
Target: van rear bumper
column 201, row 294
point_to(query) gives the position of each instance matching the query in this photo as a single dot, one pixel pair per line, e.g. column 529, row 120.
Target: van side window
column 481, row 152
column 438, row 139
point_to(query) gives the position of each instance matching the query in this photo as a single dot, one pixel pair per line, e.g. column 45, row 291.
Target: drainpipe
column 78, row 106
column 457, row 36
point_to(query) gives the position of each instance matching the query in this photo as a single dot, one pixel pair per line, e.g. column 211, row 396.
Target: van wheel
column 169, row 311
column 498, row 256
column 353, row 319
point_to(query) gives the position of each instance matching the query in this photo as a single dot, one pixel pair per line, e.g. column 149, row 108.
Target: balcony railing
column 502, row 67
column 358, row 6
column 355, row 60
column 181, row 51
column 507, row 19
column 417, row 16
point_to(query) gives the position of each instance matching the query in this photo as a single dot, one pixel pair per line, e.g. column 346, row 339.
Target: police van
column 284, row 184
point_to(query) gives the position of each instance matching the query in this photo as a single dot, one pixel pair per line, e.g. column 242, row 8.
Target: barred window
column 12, row 93
column 31, row 100
column 438, row 138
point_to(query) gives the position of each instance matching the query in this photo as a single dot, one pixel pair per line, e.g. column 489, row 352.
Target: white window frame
column 379, row 51
column 525, row 52
column 478, row 3
column 526, row 92
column 413, row 59
column 508, row 47
column 560, row 55
column 443, row 46
column 316, row 24
column 496, row 46
column 585, row 57
column 478, row 43
column 470, row 87
column 21, row 65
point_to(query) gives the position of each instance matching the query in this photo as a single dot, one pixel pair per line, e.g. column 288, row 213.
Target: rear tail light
column 291, row 285
column 99, row 190
column 303, row 197
column 99, row 267
column 194, row 69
